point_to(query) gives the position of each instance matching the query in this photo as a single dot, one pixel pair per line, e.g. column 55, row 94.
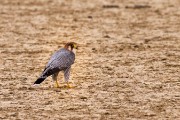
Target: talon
column 56, row 85
column 69, row 86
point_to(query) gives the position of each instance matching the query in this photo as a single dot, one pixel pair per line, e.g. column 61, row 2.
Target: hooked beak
column 76, row 47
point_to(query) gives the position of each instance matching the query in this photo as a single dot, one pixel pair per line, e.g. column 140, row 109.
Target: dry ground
column 127, row 67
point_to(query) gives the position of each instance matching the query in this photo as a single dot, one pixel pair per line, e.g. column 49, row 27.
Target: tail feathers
column 39, row 80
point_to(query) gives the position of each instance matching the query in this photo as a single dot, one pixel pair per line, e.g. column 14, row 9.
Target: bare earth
column 127, row 66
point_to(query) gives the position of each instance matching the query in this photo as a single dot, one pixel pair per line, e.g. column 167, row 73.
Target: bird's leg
column 66, row 76
column 54, row 77
column 56, row 84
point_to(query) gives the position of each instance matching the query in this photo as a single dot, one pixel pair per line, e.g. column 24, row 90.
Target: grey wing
column 61, row 60
column 54, row 57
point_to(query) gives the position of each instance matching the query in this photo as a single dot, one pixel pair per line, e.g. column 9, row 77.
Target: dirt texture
column 127, row 66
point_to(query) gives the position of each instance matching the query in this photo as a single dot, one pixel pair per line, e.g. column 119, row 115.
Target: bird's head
column 71, row 46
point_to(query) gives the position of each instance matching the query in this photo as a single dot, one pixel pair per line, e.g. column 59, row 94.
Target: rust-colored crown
column 71, row 44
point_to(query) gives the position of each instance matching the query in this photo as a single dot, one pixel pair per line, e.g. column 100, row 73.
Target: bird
column 61, row 60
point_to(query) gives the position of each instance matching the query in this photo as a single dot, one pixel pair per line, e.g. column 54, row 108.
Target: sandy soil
column 127, row 67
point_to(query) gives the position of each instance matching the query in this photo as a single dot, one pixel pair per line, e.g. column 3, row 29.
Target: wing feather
column 60, row 60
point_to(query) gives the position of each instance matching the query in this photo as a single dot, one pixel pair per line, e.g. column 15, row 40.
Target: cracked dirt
column 127, row 65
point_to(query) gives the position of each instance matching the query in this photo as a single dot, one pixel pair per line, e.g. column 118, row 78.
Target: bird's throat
column 74, row 51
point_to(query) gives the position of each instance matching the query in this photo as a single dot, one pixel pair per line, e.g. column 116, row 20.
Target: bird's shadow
column 37, row 88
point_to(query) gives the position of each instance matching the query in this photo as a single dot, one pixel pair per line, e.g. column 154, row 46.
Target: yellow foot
column 69, row 86
column 56, row 85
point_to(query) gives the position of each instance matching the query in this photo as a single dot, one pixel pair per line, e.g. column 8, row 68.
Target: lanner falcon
column 61, row 60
